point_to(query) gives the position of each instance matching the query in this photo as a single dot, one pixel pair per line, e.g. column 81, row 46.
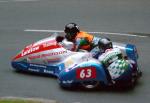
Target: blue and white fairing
column 83, row 68
column 128, row 50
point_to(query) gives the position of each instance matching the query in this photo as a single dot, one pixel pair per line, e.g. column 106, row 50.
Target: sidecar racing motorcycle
column 47, row 56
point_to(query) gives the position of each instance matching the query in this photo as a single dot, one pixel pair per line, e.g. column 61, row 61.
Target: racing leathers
column 109, row 56
column 82, row 41
column 113, row 61
column 85, row 41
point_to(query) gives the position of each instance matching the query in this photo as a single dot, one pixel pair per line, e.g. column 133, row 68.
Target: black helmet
column 104, row 44
column 71, row 30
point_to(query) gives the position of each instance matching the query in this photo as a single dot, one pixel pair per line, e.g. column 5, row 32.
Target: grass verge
column 17, row 101
column 24, row 100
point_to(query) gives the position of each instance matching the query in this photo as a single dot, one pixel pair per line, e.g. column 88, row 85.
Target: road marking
column 24, row 0
column 121, row 34
column 108, row 33
column 34, row 30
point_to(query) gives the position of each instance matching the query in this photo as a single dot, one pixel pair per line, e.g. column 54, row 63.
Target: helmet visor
column 70, row 36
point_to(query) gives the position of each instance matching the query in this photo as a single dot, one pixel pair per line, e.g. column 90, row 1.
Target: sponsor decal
column 71, row 68
column 86, row 73
column 34, row 57
column 54, row 53
column 48, row 54
column 48, row 71
column 39, row 66
column 53, row 60
column 47, row 44
column 30, row 50
column 68, row 62
column 35, row 49
column 34, row 70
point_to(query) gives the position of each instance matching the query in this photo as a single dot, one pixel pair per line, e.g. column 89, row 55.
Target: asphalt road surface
column 121, row 16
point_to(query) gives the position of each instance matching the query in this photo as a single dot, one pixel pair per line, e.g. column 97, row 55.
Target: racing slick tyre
column 90, row 84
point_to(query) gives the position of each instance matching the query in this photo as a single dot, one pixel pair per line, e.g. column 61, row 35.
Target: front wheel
column 90, row 84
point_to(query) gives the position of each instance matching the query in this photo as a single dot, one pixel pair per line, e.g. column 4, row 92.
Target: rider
column 81, row 39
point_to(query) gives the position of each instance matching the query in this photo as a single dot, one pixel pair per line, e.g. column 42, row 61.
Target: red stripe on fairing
column 41, row 48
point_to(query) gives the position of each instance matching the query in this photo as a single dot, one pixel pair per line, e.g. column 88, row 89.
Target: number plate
column 86, row 73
